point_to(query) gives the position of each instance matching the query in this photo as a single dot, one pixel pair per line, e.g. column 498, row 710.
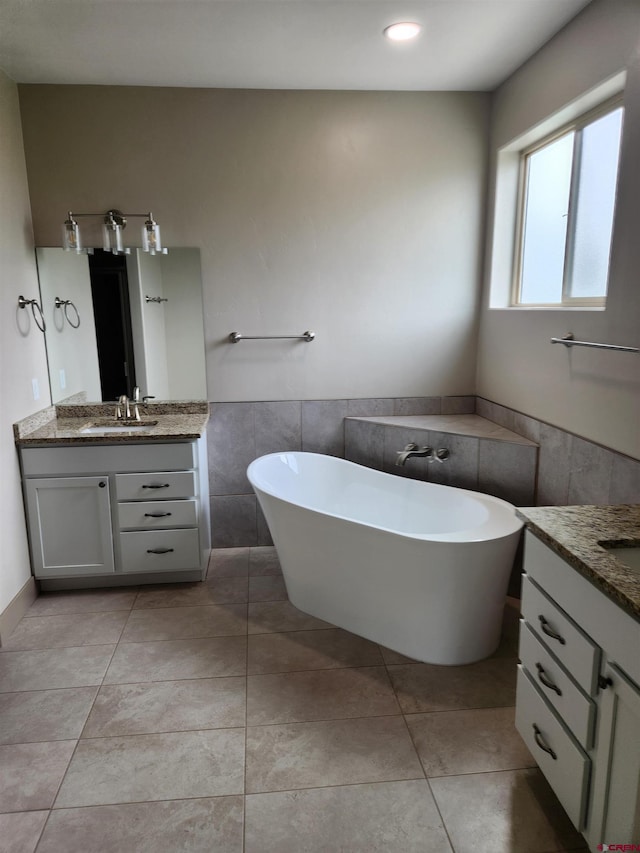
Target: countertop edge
column 575, row 534
column 57, row 431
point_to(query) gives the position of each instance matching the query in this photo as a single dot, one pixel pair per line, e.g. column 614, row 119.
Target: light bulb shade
column 151, row 237
column 112, row 235
column 118, row 248
column 106, row 238
column 71, row 241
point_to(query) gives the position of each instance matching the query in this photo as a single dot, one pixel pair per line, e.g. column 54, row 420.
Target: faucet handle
column 123, row 403
column 411, row 446
column 441, row 454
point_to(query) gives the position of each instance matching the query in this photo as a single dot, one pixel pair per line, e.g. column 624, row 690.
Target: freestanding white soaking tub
column 418, row 567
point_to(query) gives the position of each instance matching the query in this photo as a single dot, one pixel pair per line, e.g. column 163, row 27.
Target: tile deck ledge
column 469, row 425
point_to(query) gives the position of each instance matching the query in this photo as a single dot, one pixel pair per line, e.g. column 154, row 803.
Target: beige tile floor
column 216, row 717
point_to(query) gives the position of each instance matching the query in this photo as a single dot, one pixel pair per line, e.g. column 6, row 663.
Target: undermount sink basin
column 106, row 427
column 630, row 556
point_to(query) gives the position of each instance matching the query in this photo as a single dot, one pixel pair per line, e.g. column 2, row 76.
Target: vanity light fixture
column 402, row 31
column 71, row 241
column 151, row 237
column 112, row 228
column 113, row 224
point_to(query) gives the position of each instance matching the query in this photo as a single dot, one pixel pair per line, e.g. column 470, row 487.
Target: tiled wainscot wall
column 552, row 467
column 240, row 432
column 489, row 459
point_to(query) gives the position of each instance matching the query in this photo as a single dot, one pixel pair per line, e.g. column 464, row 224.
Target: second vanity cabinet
column 116, row 512
column 578, row 696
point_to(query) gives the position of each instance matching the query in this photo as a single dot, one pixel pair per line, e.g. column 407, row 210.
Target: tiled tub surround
column 238, row 433
column 570, row 469
column 215, row 717
column 483, row 456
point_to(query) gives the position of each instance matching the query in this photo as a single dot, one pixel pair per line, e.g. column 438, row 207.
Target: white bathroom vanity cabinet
column 108, row 514
column 578, row 695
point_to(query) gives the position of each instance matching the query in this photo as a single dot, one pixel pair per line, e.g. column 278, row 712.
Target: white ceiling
column 274, row 44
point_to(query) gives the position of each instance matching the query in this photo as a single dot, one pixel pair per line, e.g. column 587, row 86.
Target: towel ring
column 65, row 303
column 40, row 323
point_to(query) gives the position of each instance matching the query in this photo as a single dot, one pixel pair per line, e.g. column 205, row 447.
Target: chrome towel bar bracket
column 568, row 341
column 236, row 337
column 35, row 306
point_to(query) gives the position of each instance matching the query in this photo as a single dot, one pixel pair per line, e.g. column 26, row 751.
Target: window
column 567, row 200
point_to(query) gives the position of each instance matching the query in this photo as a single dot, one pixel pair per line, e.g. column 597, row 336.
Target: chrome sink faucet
column 413, row 450
column 123, row 410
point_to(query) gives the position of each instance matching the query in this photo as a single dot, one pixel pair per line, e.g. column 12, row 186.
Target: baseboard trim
column 16, row 609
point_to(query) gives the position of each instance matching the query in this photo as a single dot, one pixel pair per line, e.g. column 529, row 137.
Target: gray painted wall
column 22, row 353
column 591, row 393
column 358, row 215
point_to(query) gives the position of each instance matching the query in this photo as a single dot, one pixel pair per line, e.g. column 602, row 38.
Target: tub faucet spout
column 413, row 450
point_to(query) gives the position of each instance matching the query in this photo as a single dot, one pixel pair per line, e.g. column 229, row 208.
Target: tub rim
column 508, row 521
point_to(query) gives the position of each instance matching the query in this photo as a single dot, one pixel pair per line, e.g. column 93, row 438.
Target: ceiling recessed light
column 402, row 31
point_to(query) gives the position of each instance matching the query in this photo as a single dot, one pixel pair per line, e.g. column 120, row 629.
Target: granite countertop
column 578, row 533
column 62, row 424
column 471, row 425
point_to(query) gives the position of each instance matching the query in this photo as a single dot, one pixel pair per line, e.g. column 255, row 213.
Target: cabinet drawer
column 159, row 484
column 571, row 646
column 104, row 459
column 154, row 514
column 160, row 550
column 567, row 769
column 558, row 688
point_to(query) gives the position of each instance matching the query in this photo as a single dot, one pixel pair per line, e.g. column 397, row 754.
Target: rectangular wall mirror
column 115, row 322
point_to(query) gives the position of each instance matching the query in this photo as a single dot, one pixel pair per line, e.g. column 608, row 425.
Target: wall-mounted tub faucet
column 413, row 450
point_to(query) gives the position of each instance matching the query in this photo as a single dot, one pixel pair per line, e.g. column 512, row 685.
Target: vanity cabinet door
column 616, row 794
column 70, row 526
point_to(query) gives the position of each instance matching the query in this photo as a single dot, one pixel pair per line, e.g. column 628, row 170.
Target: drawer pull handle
column 543, row 746
column 156, row 514
column 158, row 486
column 159, row 550
column 548, row 630
column 542, row 676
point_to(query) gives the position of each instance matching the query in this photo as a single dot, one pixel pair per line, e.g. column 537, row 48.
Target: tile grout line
column 383, row 663
column 246, row 714
column 426, row 777
column 324, row 720
column 428, row 781
column 64, row 775
column 431, row 791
